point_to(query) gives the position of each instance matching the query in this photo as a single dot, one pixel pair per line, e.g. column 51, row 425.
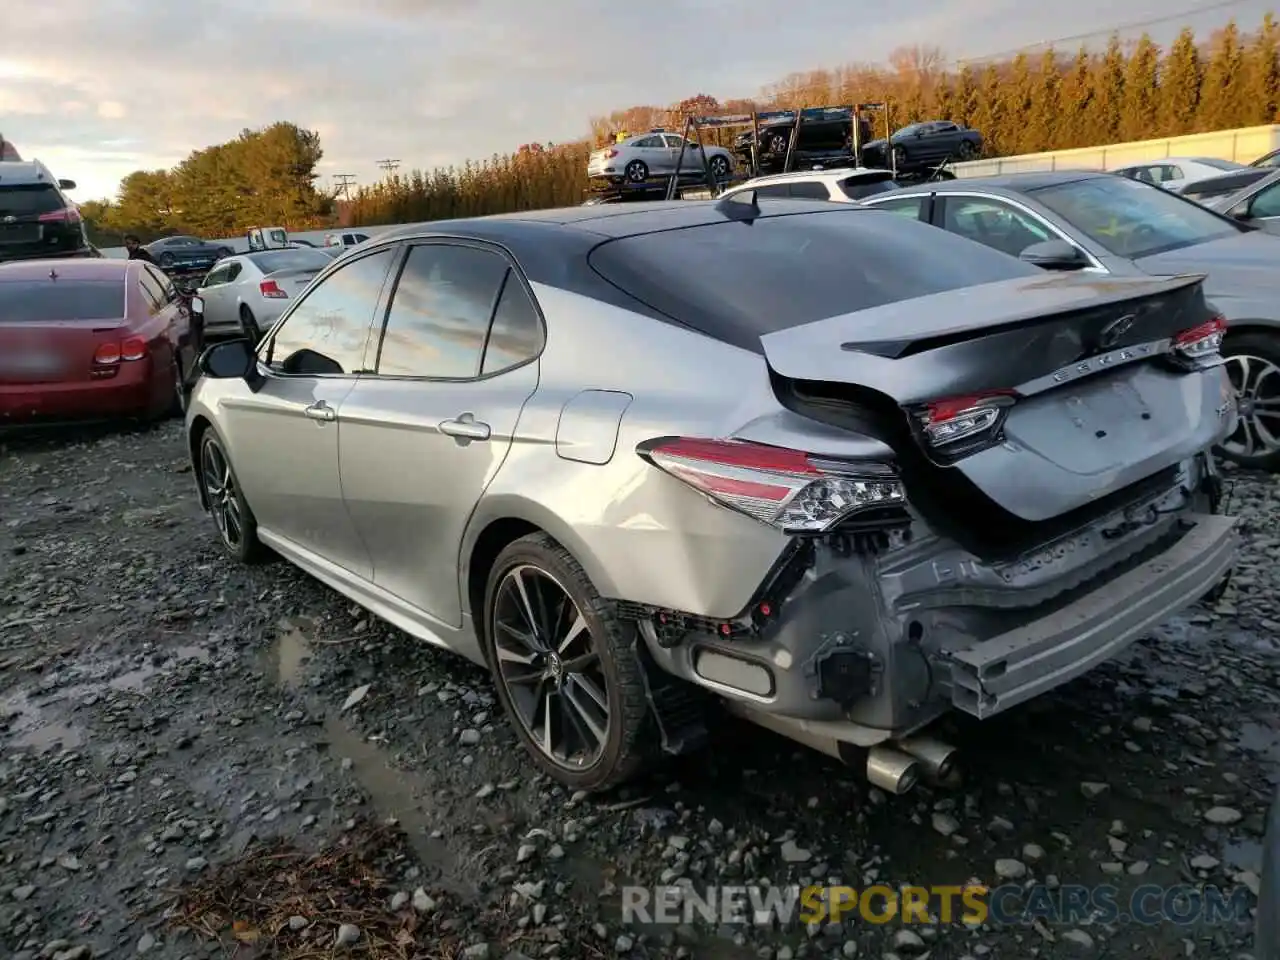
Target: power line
column 390, row 166
column 343, row 181
column 1121, row 28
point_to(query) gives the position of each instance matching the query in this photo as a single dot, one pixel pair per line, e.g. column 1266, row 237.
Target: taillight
column 110, row 354
column 66, row 215
column 1202, row 343
column 794, row 491
column 610, row 153
column 951, row 420
column 271, row 289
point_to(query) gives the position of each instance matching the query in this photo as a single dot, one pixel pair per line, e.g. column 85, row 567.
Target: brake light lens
column 271, row 289
column 788, row 489
column 1202, row 342
column 65, row 215
column 610, row 153
column 110, row 354
column 948, row 421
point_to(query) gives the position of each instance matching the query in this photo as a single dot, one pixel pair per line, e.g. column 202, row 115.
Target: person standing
column 136, row 250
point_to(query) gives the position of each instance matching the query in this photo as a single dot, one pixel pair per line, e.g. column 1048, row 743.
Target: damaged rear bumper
column 1013, row 667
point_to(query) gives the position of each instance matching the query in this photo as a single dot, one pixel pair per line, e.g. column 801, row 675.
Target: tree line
column 262, row 177
column 1025, row 104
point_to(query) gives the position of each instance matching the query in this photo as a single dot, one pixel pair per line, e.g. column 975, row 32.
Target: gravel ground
column 193, row 748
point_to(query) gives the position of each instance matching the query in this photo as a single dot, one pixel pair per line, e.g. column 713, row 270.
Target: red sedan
column 91, row 339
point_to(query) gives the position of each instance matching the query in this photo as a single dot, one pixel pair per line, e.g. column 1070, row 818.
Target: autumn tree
column 1222, row 93
column 1108, row 93
column 1262, row 75
column 1141, row 91
column 1181, row 75
column 1077, row 104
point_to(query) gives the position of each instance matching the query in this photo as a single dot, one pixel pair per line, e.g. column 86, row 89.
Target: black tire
column 967, row 150
column 224, row 252
column 637, row 171
column 178, row 406
column 1266, row 942
column 900, row 158
column 250, row 324
column 246, row 547
column 165, row 260
column 1245, row 353
column 625, row 752
column 719, row 165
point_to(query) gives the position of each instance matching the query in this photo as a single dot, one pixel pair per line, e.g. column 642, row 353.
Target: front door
column 423, row 438
column 284, row 437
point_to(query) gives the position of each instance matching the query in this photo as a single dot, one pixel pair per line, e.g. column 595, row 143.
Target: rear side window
column 739, row 280
column 31, row 301
column 26, row 201
column 810, row 190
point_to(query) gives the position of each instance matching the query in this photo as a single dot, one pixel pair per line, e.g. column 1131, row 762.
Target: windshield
column 33, row 301
column 1128, row 218
column 295, row 258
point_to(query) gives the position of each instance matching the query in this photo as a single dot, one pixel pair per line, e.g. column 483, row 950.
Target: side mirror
column 229, row 360
column 66, row 184
column 1054, row 255
column 197, row 305
column 1240, row 211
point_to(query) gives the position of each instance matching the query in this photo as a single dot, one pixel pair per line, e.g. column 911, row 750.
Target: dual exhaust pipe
column 897, row 768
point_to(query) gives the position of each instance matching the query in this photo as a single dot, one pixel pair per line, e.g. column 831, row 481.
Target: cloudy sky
column 99, row 88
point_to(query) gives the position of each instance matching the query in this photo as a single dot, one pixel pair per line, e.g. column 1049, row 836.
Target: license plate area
column 20, row 233
column 1093, row 427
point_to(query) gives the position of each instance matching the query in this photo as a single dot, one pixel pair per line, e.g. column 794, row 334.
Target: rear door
column 174, row 322
column 655, row 153
column 284, row 436
column 421, row 440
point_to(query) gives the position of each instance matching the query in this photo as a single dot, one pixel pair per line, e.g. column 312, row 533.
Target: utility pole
column 389, row 166
column 343, row 182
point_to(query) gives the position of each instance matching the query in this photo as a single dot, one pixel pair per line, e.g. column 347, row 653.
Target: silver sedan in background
column 245, row 294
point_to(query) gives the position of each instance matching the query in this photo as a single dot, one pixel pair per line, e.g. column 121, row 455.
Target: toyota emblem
column 1114, row 330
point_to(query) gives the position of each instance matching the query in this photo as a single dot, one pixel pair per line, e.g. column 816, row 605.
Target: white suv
column 843, row 185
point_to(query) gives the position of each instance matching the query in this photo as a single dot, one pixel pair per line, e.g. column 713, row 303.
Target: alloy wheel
column 179, row 389
column 1257, row 385
column 549, row 666
column 220, row 489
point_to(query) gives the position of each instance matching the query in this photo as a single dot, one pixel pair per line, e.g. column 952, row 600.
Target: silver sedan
column 245, row 294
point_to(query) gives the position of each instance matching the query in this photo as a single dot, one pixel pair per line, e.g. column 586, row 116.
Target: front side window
column 647, row 142
column 1266, row 203
column 440, row 312
column 326, row 332
column 1130, row 219
column 995, row 224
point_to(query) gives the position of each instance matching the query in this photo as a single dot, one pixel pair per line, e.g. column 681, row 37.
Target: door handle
column 321, row 411
column 465, row 427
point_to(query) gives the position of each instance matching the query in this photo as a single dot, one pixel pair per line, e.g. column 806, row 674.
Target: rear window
column 293, row 259
column 858, row 188
column 738, row 280
column 31, row 301
column 26, row 201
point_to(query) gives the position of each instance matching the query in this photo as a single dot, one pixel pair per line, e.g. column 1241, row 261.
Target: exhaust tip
column 937, row 759
column 891, row 770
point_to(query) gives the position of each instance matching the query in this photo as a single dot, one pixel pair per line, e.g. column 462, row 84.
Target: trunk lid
column 53, row 351
column 292, row 281
column 1093, row 415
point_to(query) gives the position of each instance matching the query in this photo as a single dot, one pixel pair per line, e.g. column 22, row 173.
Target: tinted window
column 516, row 333
column 773, row 190
column 326, row 332
column 217, row 275
column 440, row 312
column 151, row 288
column 906, row 207
column 1131, row 219
column 737, row 279
column 234, row 270
column 27, row 201
column 167, row 292
column 856, row 188
column 291, row 259
column 648, row 142
column 1267, row 202
column 29, row 301
column 809, row 190
column 994, row 224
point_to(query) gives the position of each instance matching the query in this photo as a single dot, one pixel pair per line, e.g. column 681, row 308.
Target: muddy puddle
column 395, row 794
column 39, row 718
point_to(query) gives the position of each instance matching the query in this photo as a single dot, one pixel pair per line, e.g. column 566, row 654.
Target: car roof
column 24, row 173
column 77, row 268
column 833, row 173
column 1011, row 182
